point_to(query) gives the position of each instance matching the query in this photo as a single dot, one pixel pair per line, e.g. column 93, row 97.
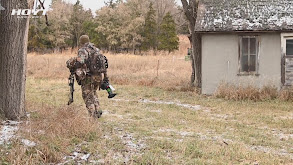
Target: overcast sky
column 92, row 4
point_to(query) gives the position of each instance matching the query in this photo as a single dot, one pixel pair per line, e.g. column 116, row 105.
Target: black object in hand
column 106, row 86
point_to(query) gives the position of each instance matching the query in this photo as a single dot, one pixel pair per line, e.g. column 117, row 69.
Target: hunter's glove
column 104, row 85
column 106, row 80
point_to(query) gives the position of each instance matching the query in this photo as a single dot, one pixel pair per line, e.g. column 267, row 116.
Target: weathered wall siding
column 245, row 15
column 217, row 50
column 220, row 61
column 289, row 72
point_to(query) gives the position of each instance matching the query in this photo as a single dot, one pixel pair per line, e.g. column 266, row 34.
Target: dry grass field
column 124, row 69
column 168, row 71
column 155, row 119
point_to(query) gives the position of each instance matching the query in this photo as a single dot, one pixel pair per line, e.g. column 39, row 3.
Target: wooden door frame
column 284, row 37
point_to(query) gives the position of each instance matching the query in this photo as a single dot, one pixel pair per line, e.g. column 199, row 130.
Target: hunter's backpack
column 96, row 62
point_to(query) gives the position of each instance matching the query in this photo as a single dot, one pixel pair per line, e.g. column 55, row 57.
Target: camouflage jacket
column 86, row 50
column 78, row 64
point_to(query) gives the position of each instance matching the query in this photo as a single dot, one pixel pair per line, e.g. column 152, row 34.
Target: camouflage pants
column 89, row 88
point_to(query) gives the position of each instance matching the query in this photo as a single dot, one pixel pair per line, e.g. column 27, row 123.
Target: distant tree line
column 131, row 26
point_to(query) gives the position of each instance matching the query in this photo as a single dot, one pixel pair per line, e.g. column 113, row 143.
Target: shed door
column 287, row 61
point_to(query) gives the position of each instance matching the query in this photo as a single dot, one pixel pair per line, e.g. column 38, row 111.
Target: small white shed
column 246, row 42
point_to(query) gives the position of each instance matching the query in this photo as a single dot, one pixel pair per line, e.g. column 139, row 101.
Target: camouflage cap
column 84, row 39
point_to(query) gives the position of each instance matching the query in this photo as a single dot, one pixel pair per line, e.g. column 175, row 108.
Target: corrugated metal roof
column 245, row 15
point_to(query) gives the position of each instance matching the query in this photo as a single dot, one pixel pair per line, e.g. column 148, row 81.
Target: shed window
column 248, row 54
column 289, row 47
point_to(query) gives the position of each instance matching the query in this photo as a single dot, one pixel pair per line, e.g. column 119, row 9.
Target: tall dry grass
column 233, row 92
column 286, row 94
column 168, row 71
column 55, row 131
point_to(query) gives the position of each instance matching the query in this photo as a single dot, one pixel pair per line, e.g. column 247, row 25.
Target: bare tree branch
column 186, row 8
column 46, row 16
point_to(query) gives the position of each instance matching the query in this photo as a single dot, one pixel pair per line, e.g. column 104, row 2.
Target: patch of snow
column 10, row 122
column 289, row 117
column 28, row 143
column 189, row 106
column 128, row 141
column 121, row 100
column 133, row 146
column 282, row 136
column 118, row 129
column 79, row 157
column 119, row 156
column 8, row 131
column 220, row 116
column 219, row 20
column 28, row 115
column 106, row 112
column 156, row 111
column 250, row 16
column 107, row 137
column 41, row 132
column 100, row 161
column 186, row 133
column 85, row 157
column 281, row 152
column 181, row 133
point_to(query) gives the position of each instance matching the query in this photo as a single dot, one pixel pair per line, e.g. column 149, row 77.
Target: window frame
column 286, row 39
column 249, row 73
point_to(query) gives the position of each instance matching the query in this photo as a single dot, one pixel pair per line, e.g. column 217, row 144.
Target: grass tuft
column 286, row 94
column 233, row 92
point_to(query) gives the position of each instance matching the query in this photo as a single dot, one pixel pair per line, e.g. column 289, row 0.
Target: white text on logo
column 28, row 12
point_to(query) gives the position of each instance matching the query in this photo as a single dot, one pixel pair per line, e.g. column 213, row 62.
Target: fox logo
column 1, row 8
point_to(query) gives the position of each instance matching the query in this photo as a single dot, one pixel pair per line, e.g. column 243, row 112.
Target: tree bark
column 196, row 44
column 192, row 64
column 190, row 10
column 13, row 51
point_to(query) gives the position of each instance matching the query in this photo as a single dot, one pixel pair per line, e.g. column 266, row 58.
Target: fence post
column 158, row 68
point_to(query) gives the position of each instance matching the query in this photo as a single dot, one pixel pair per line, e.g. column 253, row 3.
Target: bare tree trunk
column 13, row 51
column 192, row 64
column 196, row 48
column 190, row 9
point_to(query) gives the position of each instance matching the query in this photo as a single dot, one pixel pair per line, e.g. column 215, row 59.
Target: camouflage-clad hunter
column 89, row 82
